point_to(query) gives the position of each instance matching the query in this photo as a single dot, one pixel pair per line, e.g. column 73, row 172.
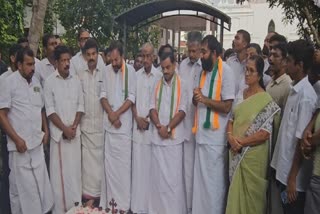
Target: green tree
column 11, row 23
column 307, row 13
column 49, row 19
column 98, row 17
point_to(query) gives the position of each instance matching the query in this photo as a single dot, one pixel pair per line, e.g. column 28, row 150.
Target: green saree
column 248, row 170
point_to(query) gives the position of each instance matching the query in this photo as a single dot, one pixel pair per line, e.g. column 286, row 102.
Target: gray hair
column 194, row 36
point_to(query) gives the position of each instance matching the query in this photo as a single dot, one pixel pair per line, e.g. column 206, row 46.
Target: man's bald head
column 147, row 51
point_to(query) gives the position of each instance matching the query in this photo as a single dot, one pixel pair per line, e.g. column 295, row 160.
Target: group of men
column 153, row 140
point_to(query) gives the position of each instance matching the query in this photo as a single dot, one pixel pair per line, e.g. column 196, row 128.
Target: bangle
column 229, row 132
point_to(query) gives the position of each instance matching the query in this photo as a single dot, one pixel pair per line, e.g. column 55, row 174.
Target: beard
column 207, row 64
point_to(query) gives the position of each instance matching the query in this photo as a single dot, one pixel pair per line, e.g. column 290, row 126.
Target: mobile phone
column 284, row 197
column 147, row 128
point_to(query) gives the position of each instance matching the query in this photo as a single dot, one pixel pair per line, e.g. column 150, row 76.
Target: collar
column 152, row 72
column 198, row 62
column 56, row 73
column 96, row 70
column 23, row 79
column 281, row 78
column 46, row 61
column 300, row 85
column 234, row 57
column 170, row 83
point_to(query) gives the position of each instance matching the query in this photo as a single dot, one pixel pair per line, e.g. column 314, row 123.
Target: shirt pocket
column 98, row 88
column 36, row 99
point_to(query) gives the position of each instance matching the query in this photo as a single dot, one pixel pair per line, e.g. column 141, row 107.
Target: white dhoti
column 92, row 164
column 210, row 179
column 167, row 193
column 30, row 189
column 141, row 165
column 117, row 171
column 65, row 172
column 188, row 166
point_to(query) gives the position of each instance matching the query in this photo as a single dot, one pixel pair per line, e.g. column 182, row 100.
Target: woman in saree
column 248, row 131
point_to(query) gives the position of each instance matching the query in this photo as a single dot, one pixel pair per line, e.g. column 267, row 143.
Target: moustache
column 67, row 67
column 91, row 61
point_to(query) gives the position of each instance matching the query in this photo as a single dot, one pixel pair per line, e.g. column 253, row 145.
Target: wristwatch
column 168, row 129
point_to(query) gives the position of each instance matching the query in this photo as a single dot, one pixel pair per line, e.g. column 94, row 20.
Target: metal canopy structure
column 154, row 11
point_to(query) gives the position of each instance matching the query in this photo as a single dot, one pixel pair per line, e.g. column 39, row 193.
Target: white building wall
column 253, row 17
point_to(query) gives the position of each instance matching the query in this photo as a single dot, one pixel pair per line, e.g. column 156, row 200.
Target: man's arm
column 45, row 128
column 306, row 108
column 177, row 119
column 223, row 106
column 112, row 116
column 155, row 118
column 142, row 122
column 67, row 131
column 77, row 119
column 105, row 105
column 6, row 126
column 125, row 106
column 291, row 184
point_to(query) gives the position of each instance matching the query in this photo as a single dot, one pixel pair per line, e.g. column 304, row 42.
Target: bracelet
column 229, row 132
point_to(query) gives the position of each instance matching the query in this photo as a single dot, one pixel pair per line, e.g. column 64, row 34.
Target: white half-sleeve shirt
column 112, row 89
column 65, row 98
column 25, row 103
column 144, row 94
column 301, row 104
column 164, row 114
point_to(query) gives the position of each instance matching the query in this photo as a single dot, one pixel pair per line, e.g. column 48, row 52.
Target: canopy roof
column 155, row 10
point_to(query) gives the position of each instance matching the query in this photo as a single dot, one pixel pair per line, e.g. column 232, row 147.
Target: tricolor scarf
column 124, row 71
column 175, row 97
column 212, row 117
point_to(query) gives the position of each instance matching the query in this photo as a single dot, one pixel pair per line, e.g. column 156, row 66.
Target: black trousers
column 4, row 190
column 296, row 207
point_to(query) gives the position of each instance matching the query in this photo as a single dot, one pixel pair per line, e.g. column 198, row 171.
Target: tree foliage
column 98, row 17
column 11, row 23
column 307, row 14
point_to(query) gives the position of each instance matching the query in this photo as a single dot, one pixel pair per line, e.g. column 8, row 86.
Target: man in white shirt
column 189, row 71
column 292, row 173
column 117, row 96
column 167, row 111
column 78, row 61
column 22, row 119
column 47, row 65
column 92, row 139
column 238, row 61
column 64, row 107
column 213, row 98
column 141, row 152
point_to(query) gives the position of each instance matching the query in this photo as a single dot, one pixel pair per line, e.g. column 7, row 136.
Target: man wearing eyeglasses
column 78, row 62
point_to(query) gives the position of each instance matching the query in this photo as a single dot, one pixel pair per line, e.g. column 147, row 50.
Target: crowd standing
column 233, row 131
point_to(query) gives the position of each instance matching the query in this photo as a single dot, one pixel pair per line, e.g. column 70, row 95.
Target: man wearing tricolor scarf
column 167, row 112
column 117, row 96
column 213, row 99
